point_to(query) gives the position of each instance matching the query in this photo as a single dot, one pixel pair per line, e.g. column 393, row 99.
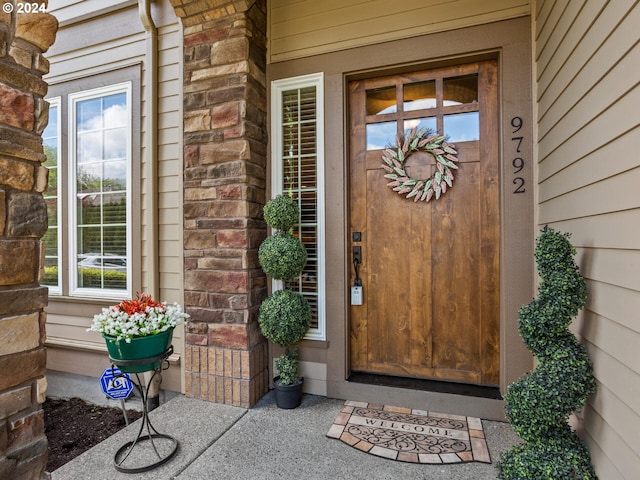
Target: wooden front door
column 429, row 270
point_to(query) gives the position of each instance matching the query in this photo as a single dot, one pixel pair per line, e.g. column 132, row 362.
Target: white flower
column 139, row 317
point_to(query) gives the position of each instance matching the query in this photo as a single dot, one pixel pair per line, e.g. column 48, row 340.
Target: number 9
column 518, row 164
column 516, row 122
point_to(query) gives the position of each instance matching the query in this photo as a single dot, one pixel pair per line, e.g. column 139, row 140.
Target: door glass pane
column 381, row 100
column 459, row 90
column 430, row 123
column 462, row 127
column 418, row 96
column 381, row 135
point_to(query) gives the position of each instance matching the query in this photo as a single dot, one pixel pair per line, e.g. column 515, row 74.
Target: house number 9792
column 518, row 162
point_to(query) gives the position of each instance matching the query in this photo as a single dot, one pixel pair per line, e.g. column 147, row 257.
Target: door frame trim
column 507, row 41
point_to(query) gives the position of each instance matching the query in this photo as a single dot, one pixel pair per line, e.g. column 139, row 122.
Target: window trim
column 57, row 103
column 72, row 261
column 277, row 88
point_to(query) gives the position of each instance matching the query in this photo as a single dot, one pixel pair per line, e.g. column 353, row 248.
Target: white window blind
column 297, row 155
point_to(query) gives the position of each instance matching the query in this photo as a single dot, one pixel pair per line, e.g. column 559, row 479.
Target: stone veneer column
column 23, row 220
column 225, row 141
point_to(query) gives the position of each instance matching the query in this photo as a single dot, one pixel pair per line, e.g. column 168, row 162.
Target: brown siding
column 309, row 27
column 81, row 50
column 586, row 61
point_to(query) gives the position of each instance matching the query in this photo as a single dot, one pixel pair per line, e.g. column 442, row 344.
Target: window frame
column 278, row 87
column 56, row 102
column 72, row 261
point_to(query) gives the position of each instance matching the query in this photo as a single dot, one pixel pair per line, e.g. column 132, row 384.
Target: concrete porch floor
column 265, row 442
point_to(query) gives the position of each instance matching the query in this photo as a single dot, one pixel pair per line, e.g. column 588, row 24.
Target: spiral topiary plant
column 285, row 315
column 538, row 405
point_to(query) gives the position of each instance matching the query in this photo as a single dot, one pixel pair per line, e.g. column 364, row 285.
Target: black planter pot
column 288, row 396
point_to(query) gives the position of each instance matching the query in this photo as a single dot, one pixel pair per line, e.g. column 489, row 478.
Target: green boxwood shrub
column 285, row 316
column 281, row 213
column 287, row 366
column 282, row 256
column 538, row 406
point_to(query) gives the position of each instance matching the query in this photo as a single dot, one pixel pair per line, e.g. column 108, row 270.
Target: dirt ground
column 74, row 426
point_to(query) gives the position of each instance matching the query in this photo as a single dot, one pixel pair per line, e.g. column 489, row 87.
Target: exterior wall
column 587, row 93
column 23, row 221
column 326, row 363
column 98, row 41
column 225, row 174
column 309, row 27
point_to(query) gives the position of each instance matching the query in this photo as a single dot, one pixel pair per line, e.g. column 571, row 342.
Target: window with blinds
column 297, row 164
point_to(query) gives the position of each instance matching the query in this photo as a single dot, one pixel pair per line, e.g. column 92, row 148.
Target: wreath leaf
column 413, row 141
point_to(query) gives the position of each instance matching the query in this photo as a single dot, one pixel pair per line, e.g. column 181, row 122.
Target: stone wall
column 23, row 220
column 225, row 140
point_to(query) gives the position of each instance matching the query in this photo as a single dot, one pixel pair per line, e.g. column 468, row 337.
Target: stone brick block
column 220, row 71
column 42, row 179
column 17, row 107
column 38, row 29
column 14, row 401
column 20, row 368
column 228, row 336
column 225, row 152
column 3, row 211
column 31, row 460
column 215, row 263
column 206, row 37
column 197, row 120
column 208, row 315
column 228, row 209
column 22, row 56
column 26, row 215
column 19, row 334
column 22, row 300
column 196, row 299
column 197, row 327
column 196, row 209
column 217, row 281
column 16, row 174
column 226, row 94
column 238, row 302
column 197, row 194
column 226, row 115
column 230, row 50
column 199, row 240
column 231, row 316
column 15, row 273
column 23, row 430
column 193, row 339
column 232, row 238
column 232, row 192
column 41, row 390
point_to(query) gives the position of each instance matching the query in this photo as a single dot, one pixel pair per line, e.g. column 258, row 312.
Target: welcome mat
column 407, row 435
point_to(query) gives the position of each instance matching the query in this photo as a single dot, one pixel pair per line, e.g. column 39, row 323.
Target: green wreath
column 422, row 140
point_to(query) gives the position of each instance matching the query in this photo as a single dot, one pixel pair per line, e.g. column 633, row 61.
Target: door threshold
column 426, row 385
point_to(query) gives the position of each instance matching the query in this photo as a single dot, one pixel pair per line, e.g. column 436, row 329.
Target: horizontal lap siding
column 587, row 56
column 309, row 27
column 121, row 42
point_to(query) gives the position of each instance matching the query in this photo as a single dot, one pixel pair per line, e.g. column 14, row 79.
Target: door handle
column 357, row 260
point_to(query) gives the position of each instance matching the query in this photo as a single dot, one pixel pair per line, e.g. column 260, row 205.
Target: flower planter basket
column 139, row 349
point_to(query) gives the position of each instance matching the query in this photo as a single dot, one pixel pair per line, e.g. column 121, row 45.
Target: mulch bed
column 73, row 426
